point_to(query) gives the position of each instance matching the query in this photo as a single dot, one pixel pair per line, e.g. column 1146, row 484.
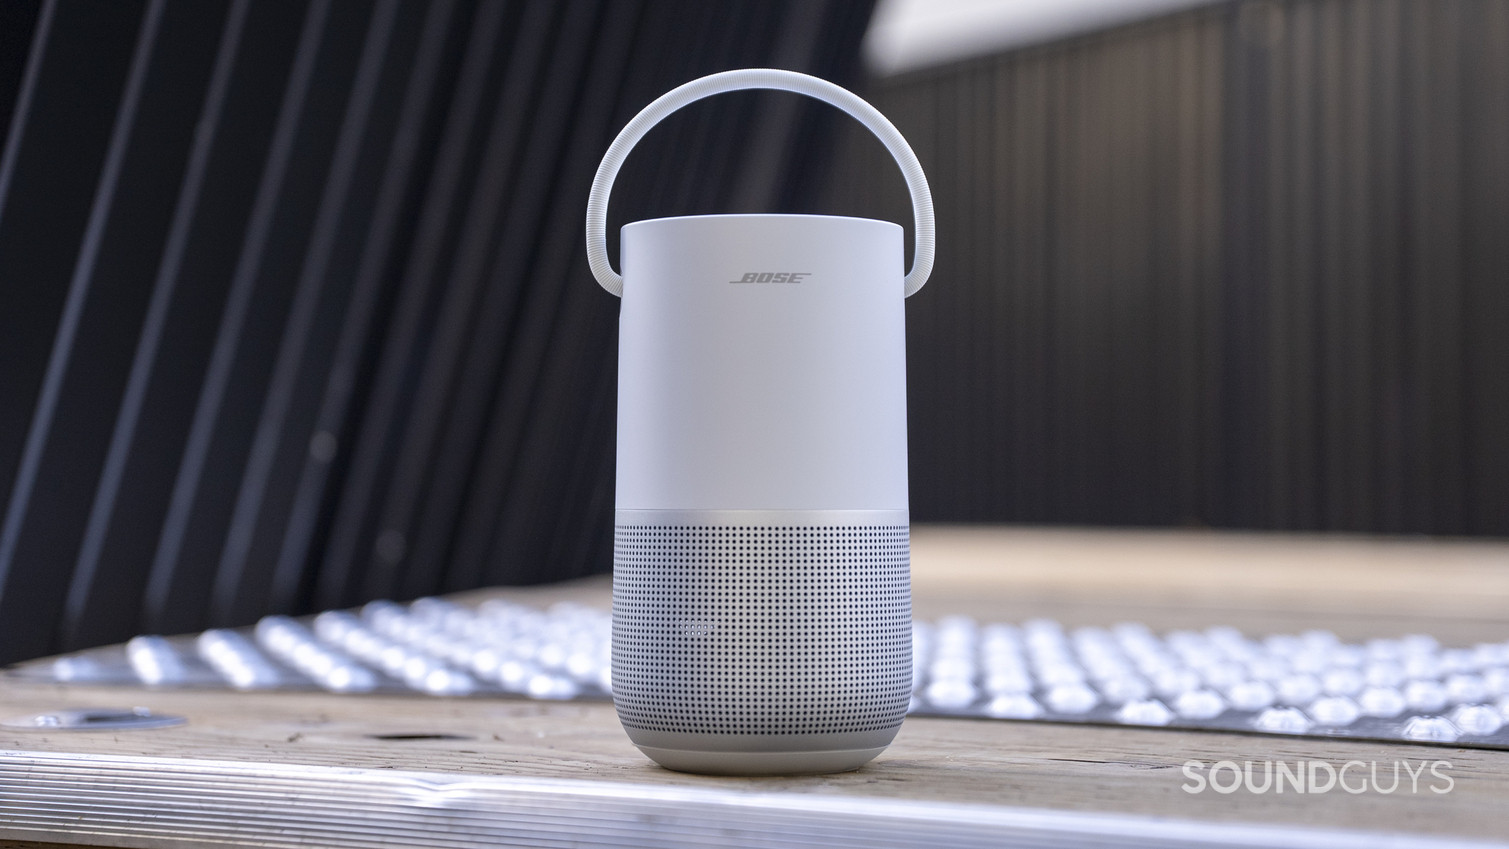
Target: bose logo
column 773, row 277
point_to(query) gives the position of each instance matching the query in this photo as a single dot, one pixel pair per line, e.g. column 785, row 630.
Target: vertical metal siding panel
column 360, row 325
column 93, row 611
column 1330, row 156
column 1485, row 372
column 1029, row 273
column 35, row 557
column 1386, row 238
column 23, row 25
column 235, row 395
column 1361, row 275
column 1088, row 311
column 1145, row 491
column 45, row 200
column 1068, row 317
column 1301, row 176
column 206, row 266
column 175, row 596
column 301, row 442
column 1213, row 158
column 1108, row 286
column 546, row 486
column 440, row 390
column 531, row 267
column 732, row 121
column 992, row 102
column 1136, row 493
column 329, row 207
column 1335, row 367
column 467, row 542
column 1001, row 194
column 241, row 586
column 1274, row 475
column 988, row 441
column 481, row 550
column 1062, row 380
column 1447, row 185
column 1415, row 311
column 1184, row 279
column 23, row 40
column 774, row 123
column 351, row 545
column 436, row 519
column 1239, row 320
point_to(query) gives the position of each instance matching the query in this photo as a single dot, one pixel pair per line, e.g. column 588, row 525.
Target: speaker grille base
column 782, row 629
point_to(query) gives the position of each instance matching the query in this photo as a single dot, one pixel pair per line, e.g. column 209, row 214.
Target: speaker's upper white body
column 761, row 583
column 738, row 392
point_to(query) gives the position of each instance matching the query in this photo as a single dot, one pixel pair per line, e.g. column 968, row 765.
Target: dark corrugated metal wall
column 294, row 310
column 1245, row 266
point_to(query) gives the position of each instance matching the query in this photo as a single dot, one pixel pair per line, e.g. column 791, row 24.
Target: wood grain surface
column 1357, row 587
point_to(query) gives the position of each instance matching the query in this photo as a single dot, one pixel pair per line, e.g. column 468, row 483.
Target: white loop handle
column 607, row 172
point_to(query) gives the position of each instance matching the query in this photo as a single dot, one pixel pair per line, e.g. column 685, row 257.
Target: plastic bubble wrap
column 1407, row 688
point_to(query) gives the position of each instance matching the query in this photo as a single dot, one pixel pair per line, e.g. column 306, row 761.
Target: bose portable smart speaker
column 761, row 566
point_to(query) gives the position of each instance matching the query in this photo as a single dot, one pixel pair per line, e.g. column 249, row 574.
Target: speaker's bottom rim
column 761, row 763
column 777, row 744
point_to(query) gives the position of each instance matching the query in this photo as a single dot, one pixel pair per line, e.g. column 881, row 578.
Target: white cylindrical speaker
column 761, row 584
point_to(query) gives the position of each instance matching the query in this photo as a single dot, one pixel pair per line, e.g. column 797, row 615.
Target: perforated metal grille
column 761, row 630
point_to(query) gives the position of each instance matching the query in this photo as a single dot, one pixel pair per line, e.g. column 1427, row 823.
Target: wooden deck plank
column 1458, row 591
